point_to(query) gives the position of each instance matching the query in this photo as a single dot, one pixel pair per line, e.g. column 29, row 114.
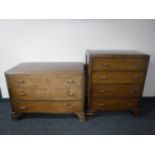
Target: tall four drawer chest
column 115, row 80
column 46, row 88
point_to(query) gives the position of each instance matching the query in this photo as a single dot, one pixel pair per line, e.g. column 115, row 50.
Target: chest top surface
column 115, row 53
column 46, row 67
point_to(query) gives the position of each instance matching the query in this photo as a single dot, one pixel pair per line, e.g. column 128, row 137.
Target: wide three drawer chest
column 46, row 88
column 115, row 80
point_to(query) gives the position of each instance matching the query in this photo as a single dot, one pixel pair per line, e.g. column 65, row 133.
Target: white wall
column 67, row 40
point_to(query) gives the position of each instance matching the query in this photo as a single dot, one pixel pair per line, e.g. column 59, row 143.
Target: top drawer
column 121, row 64
column 44, row 81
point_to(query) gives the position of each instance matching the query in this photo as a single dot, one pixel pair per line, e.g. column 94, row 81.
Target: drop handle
column 135, row 78
column 103, row 78
column 23, row 107
column 101, row 104
column 22, row 94
column 70, row 106
column 130, row 104
column 137, row 65
column 105, row 64
column 102, row 91
column 132, row 90
column 70, row 93
column 70, row 81
column 20, row 81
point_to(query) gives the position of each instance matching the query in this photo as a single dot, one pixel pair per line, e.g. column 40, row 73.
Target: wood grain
column 47, row 94
column 119, row 64
column 47, row 106
column 115, row 80
column 118, row 77
column 113, row 104
column 116, row 90
column 47, row 88
column 52, row 81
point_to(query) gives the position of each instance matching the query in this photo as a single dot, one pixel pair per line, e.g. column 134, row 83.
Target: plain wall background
column 68, row 40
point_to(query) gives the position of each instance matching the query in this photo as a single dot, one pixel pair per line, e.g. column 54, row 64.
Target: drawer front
column 47, row 94
column 117, row 77
column 44, row 81
column 47, row 106
column 122, row 64
column 116, row 90
column 117, row 104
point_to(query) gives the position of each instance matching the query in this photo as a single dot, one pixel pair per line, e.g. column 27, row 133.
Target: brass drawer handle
column 79, row 85
column 105, row 65
column 130, row 104
column 104, row 78
column 70, row 93
column 69, row 106
column 70, row 81
column 20, row 81
column 101, row 104
column 102, row 91
column 23, row 108
column 132, row 90
column 22, row 94
column 135, row 78
column 137, row 65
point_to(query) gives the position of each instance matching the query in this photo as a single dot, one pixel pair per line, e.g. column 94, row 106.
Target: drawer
column 47, row 106
column 46, row 94
column 117, row 104
column 45, row 81
column 116, row 90
column 122, row 64
column 117, row 77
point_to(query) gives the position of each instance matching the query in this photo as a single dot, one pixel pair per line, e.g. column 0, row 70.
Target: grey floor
column 105, row 123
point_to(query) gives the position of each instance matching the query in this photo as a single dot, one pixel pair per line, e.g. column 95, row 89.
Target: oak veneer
column 115, row 80
column 46, row 88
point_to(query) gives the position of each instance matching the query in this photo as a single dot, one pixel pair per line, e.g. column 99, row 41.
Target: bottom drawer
column 47, row 106
column 117, row 104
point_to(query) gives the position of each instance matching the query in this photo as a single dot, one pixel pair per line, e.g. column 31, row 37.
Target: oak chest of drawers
column 115, row 80
column 46, row 88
